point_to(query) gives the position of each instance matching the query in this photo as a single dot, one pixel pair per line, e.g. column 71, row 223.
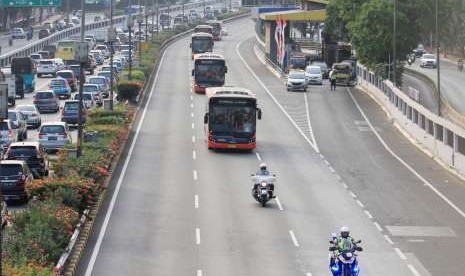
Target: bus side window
column 205, row 118
column 259, row 115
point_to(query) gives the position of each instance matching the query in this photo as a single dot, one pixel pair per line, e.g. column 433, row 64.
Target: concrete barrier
column 440, row 138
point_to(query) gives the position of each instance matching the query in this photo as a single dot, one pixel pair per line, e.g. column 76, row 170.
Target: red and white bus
column 209, row 71
column 201, row 43
column 231, row 118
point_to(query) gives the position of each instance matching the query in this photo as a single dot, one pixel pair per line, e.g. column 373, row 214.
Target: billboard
column 30, row 3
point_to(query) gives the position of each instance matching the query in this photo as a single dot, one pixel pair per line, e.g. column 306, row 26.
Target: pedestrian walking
column 332, row 79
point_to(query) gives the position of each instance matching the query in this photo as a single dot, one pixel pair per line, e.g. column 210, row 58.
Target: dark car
column 33, row 154
column 69, row 112
column 46, row 101
column 44, row 33
column 15, row 175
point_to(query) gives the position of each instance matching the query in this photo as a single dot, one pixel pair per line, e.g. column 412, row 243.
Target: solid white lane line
column 386, row 237
column 294, row 239
column 193, row 139
column 309, row 122
column 352, row 194
column 258, row 156
column 360, row 203
column 197, row 236
column 106, row 221
column 193, row 126
column 194, row 155
column 413, row 270
column 368, row 214
column 413, row 171
column 279, row 204
column 199, row 272
column 378, row 226
column 196, row 201
column 400, row 254
column 311, row 143
column 194, row 172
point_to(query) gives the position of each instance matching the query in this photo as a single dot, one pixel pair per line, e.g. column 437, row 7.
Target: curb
column 86, row 231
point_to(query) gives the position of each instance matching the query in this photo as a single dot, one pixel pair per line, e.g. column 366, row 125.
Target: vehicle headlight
column 263, row 184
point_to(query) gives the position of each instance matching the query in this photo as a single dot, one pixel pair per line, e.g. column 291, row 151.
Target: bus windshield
column 201, row 45
column 209, row 72
column 233, row 118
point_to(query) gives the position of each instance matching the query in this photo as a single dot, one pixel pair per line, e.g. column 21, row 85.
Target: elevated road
column 177, row 208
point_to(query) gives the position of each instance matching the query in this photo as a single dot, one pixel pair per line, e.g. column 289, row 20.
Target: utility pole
column 158, row 18
column 130, row 24
column 140, row 19
column 82, row 80
column 438, row 59
column 394, row 46
column 153, row 18
column 146, row 22
column 111, row 38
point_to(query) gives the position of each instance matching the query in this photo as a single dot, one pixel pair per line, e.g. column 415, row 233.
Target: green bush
column 118, row 111
column 109, row 120
column 128, row 90
column 136, row 74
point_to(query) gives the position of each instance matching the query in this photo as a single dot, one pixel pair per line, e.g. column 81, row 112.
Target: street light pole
column 146, row 15
column 139, row 21
column 110, row 40
column 394, row 46
column 438, row 60
column 130, row 24
column 153, row 18
column 82, row 79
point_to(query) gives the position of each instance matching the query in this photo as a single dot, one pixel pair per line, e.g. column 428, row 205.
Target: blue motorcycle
column 345, row 263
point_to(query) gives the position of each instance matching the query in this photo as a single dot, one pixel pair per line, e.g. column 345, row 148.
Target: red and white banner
column 279, row 35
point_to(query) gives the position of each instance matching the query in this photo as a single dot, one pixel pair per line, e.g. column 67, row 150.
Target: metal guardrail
column 439, row 137
column 34, row 47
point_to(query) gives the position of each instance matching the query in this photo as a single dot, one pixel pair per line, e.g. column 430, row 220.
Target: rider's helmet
column 263, row 167
column 345, row 231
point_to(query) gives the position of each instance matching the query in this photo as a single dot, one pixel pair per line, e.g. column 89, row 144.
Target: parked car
column 18, row 122
column 61, row 88
column 46, row 101
column 15, row 175
column 47, row 67
column 54, row 135
column 35, row 58
column 31, row 115
column 8, row 133
column 314, row 75
column 69, row 76
column 102, row 82
column 18, row 33
column 33, row 153
column 44, row 33
column 95, row 90
column 69, row 112
column 296, row 80
column 428, row 60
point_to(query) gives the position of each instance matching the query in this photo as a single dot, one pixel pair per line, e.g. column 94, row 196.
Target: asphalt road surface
column 179, row 209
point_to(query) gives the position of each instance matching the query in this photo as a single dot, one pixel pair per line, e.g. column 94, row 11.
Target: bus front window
column 201, row 45
column 237, row 120
column 211, row 74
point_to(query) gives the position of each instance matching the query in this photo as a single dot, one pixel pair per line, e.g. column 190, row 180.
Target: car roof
column 64, row 71
column 25, row 144
column 90, row 84
column 54, row 123
column 45, row 91
column 13, row 162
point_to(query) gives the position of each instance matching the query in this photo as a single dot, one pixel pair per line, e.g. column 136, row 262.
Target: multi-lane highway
column 179, row 209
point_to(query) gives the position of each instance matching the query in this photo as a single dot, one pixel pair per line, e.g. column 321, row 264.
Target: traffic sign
column 30, row 3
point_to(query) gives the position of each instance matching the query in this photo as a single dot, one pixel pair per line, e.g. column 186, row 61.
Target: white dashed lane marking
column 294, row 239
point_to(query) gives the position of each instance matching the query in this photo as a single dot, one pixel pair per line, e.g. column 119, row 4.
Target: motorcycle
column 346, row 263
column 263, row 188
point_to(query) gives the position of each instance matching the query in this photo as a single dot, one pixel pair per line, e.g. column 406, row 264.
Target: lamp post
column 140, row 19
column 130, row 25
column 111, row 39
column 153, row 18
column 394, row 46
column 438, row 59
column 82, row 79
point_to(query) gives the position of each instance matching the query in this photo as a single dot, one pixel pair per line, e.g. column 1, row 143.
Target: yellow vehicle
column 65, row 50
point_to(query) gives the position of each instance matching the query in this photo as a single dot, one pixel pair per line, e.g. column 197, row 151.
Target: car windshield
column 57, row 83
column 50, row 129
column 35, row 56
column 10, row 169
column 22, row 151
column 46, row 95
column 228, row 119
column 4, row 126
column 90, row 88
column 12, row 116
column 45, row 62
column 96, row 80
column 314, row 70
column 104, row 74
column 71, row 106
column 321, row 64
column 65, row 75
column 297, row 75
column 101, row 47
column 26, row 108
column 429, row 56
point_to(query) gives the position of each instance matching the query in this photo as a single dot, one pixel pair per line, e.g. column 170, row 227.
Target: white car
column 428, row 60
column 103, row 49
column 314, row 75
column 18, row 33
column 224, row 31
column 47, row 67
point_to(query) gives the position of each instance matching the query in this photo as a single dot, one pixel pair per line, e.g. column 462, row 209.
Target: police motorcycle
column 263, row 188
column 345, row 263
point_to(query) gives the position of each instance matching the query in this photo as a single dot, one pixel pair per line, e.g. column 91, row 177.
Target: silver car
column 31, row 114
column 8, row 134
column 54, row 135
column 296, row 80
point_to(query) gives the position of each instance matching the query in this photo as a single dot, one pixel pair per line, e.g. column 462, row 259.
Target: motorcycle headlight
column 335, row 268
column 263, row 184
column 355, row 269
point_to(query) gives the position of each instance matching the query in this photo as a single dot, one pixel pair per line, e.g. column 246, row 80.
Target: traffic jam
column 43, row 106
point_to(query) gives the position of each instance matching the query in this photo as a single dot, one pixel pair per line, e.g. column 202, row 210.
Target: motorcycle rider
column 343, row 242
column 263, row 171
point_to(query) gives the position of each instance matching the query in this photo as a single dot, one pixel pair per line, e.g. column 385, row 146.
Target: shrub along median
column 37, row 237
